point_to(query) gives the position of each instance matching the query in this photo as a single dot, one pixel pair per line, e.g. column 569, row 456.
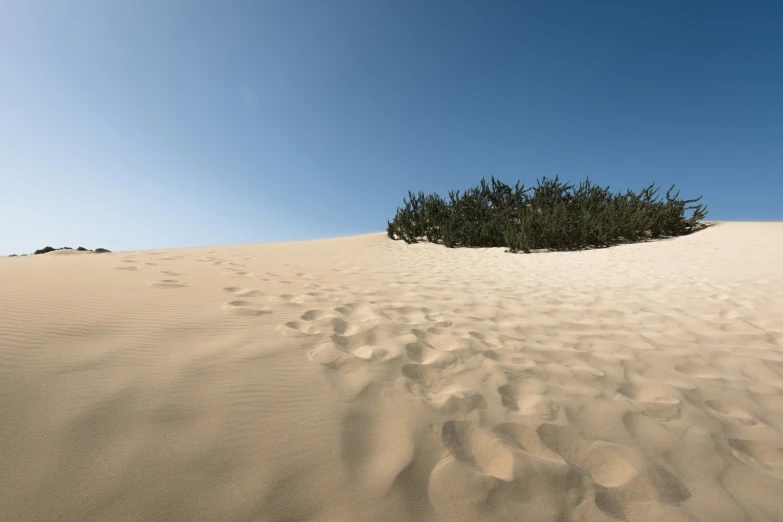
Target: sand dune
column 361, row 379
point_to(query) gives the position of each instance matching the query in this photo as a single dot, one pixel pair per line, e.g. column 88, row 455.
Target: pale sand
column 361, row 379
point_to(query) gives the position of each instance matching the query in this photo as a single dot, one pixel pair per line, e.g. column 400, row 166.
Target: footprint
column 527, row 439
column 238, row 273
column 479, row 449
column 314, row 315
column 456, row 400
column 375, row 445
column 363, row 345
column 621, row 472
column 631, row 483
column 127, row 268
column 300, row 327
column 242, row 292
column 369, row 353
column 585, row 368
column 486, row 470
column 528, row 403
column 768, row 457
column 349, row 343
column 562, row 441
column 609, row 466
column 732, row 411
column 169, row 283
column 491, row 340
column 356, row 312
column 341, row 327
column 423, row 375
column 462, row 348
column 650, row 433
column 170, row 273
column 289, row 298
column 509, row 363
column 420, row 351
column 329, row 355
column 246, row 308
column 656, row 404
column 437, row 329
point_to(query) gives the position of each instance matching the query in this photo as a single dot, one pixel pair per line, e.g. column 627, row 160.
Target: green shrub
column 80, row 249
column 557, row 216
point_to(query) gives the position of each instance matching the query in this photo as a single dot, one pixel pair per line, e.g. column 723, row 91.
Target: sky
column 146, row 124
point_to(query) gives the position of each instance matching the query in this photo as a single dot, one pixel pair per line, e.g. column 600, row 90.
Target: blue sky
column 148, row 124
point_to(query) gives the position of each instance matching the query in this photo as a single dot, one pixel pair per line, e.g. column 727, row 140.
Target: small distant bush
column 557, row 216
column 80, row 249
column 13, row 255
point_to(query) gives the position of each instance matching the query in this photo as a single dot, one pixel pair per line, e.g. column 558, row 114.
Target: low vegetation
column 47, row 249
column 556, row 216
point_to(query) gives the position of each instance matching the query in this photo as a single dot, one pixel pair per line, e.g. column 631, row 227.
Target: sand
column 362, row 379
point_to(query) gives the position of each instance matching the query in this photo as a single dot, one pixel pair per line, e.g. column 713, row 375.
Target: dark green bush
column 80, row 249
column 557, row 216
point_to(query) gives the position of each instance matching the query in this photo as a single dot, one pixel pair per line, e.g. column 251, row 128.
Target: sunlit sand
column 363, row 379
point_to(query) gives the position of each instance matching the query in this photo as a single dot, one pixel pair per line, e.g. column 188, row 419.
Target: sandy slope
column 365, row 379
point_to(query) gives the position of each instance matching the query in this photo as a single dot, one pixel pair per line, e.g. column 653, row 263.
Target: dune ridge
column 360, row 378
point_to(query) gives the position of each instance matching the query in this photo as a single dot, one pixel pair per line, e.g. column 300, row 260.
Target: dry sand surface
column 362, row 379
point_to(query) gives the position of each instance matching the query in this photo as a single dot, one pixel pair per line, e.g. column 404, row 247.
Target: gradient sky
column 148, row 124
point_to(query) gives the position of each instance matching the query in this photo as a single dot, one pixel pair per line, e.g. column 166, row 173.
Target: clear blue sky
column 148, row 124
